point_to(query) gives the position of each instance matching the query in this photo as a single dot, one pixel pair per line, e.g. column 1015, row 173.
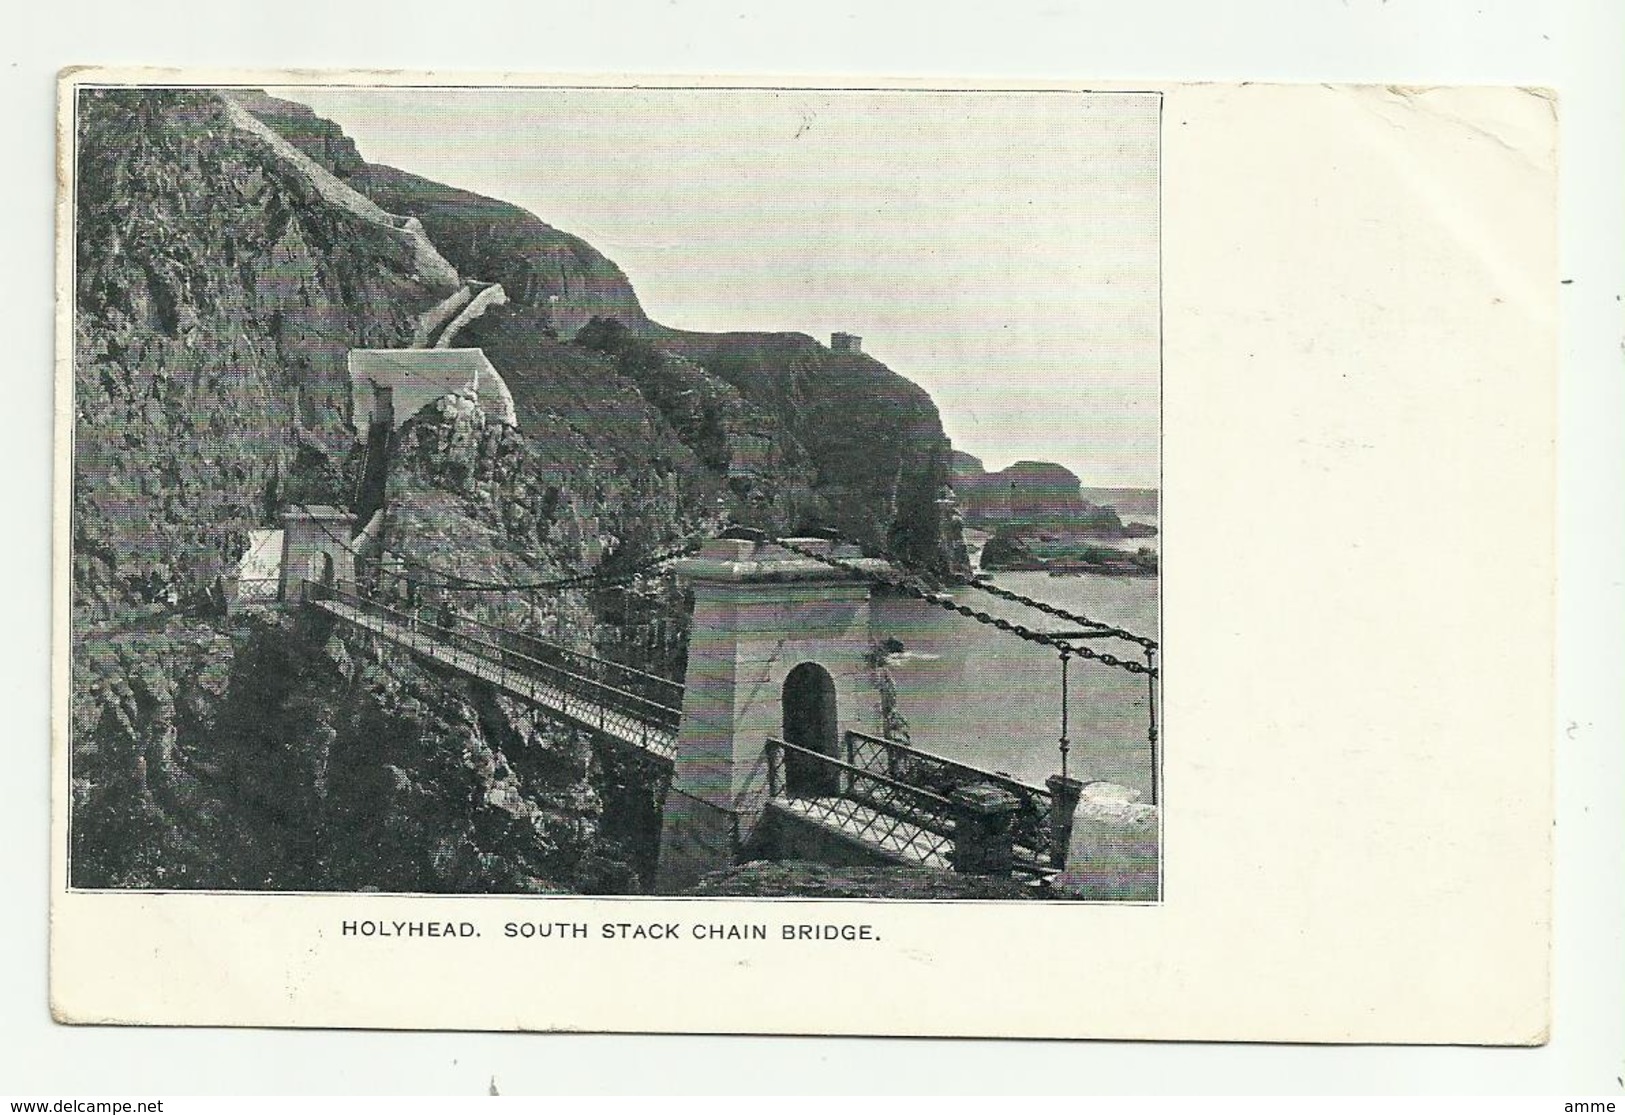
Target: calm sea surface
column 985, row 697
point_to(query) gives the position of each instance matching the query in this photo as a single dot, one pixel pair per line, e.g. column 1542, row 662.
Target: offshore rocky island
column 233, row 254
column 1035, row 516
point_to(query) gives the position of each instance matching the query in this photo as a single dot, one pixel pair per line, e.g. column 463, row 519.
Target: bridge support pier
column 1064, row 795
column 315, row 547
column 777, row 648
column 984, row 817
column 696, row 838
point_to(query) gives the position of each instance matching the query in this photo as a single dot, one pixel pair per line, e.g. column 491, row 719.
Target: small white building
column 388, row 386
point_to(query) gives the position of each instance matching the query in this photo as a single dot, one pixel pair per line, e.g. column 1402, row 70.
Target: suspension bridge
column 629, row 706
column 754, row 740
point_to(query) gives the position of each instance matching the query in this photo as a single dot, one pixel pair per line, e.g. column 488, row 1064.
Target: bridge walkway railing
column 899, row 799
column 662, row 696
column 489, row 653
column 1033, row 824
column 909, row 823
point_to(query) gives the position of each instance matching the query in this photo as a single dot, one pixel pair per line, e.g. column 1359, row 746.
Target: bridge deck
column 891, row 834
column 520, row 683
column 883, row 795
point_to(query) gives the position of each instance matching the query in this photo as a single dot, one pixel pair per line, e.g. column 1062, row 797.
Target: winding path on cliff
column 432, row 267
column 439, row 325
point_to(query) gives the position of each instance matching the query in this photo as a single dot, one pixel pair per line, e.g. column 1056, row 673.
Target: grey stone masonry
column 983, row 840
column 1064, row 794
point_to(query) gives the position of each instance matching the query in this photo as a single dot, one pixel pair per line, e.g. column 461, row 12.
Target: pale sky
column 1001, row 250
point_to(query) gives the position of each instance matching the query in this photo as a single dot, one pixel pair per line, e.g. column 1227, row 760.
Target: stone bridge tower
column 315, row 547
column 778, row 647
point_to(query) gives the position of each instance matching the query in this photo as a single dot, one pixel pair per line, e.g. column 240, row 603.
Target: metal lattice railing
column 908, row 821
column 1032, row 827
column 490, row 654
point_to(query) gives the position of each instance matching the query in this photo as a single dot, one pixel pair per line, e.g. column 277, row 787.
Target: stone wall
column 1115, row 853
column 430, row 265
column 395, row 384
column 485, row 295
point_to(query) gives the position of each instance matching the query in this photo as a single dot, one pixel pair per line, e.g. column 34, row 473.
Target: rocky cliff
column 220, row 282
column 287, row 756
column 877, row 458
column 216, row 297
column 812, row 437
column 562, row 277
column 229, row 252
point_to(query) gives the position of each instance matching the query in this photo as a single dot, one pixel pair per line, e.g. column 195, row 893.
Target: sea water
column 980, row 695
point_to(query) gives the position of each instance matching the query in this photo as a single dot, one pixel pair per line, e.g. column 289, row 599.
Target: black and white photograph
column 803, row 556
column 704, row 492
column 701, row 548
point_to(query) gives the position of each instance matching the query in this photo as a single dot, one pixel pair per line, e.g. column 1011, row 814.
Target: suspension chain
column 1058, row 613
column 466, row 584
column 1037, row 605
column 1020, row 631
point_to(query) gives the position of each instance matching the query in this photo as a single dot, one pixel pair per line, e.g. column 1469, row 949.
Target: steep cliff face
column 320, row 139
column 877, row 457
column 474, row 499
column 288, row 752
column 803, row 436
column 767, row 474
column 219, row 284
column 216, row 297
column 145, row 707
column 568, row 280
column 562, row 276
column 291, row 756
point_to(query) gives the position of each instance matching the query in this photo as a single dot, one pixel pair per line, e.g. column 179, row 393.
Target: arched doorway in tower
column 810, row 722
column 319, row 569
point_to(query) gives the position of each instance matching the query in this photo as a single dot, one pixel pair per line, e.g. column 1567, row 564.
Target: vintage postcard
column 708, row 537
